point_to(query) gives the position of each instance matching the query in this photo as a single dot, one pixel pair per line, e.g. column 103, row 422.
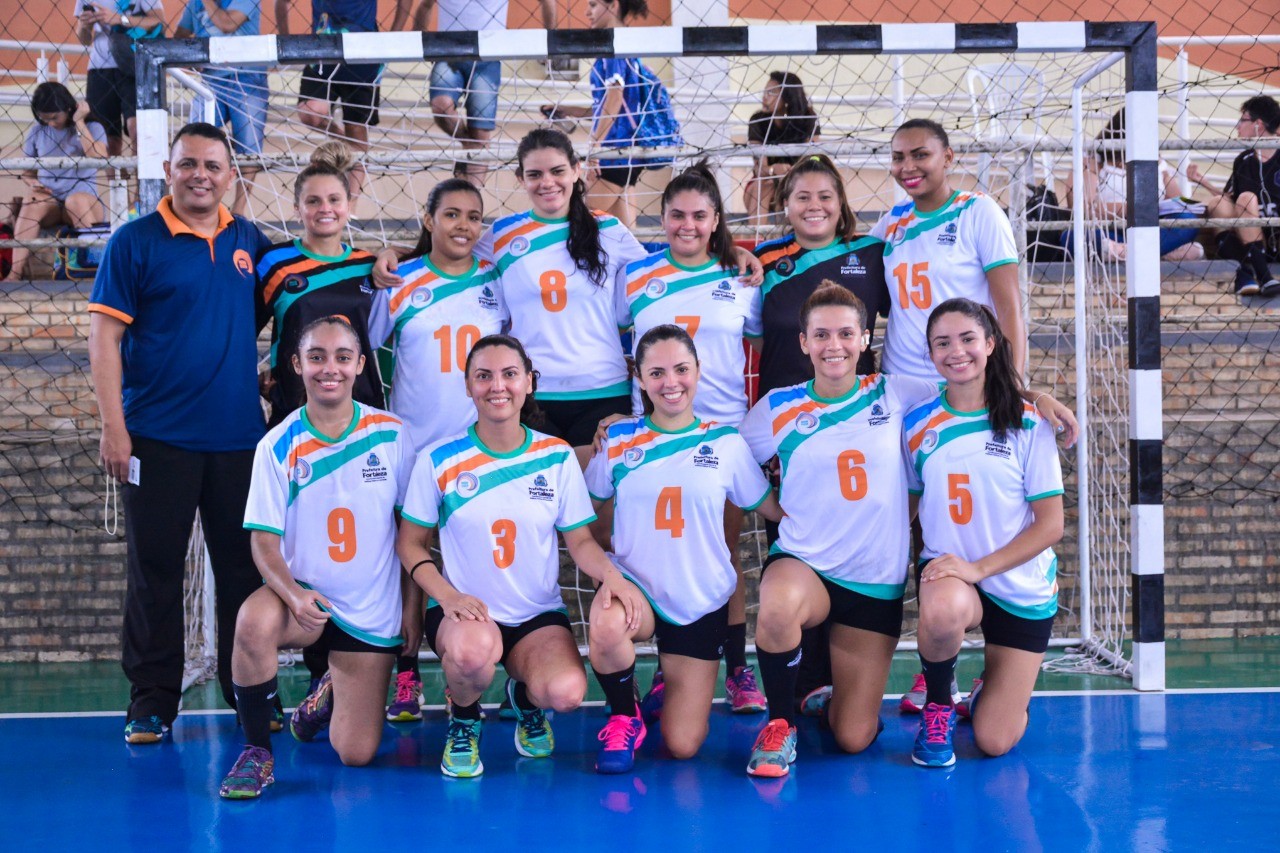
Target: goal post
column 1136, row 544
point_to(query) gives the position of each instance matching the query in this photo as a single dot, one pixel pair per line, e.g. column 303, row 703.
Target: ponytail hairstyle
column 699, row 178
column 434, row 198
column 530, row 414
column 820, row 164
column 665, row 332
column 333, row 158
column 827, row 294
column 1002, row 382
column 584, row 231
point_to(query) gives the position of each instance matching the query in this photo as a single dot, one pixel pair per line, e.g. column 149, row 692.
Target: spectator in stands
column 629, row 108
column 173, row 353
column 63, row 128
column 111, row 91
column 241, row 96
column 787, row 119
column 471, row 84
column 355, row 88
column 1105, row 197
column 1253, row 190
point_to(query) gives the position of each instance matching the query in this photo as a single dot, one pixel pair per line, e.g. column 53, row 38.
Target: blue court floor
column 1105, row 771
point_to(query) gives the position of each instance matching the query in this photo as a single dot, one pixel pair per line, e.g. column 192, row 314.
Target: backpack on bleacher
column 78, row 263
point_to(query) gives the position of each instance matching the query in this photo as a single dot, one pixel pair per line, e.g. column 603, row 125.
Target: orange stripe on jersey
column 501, row 242
column 399, row 298
column 311, row 445
column 790, row 414
column 301, row 265
column 769, row 257
column 938, row 419
column 902, row 224
column 642, row 281
column 643, row 438
column 451, row 473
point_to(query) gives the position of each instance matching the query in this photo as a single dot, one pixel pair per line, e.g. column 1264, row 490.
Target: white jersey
column 569, row 326
column 433, row 320
column 471, row 15
column 333, row 503
column 844, row 479
column 715, row 309
column 935, row 256
column 976, row 494
column 498, row 514
column 669, row 490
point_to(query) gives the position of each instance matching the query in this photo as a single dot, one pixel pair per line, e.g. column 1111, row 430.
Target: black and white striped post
column 1136, row 40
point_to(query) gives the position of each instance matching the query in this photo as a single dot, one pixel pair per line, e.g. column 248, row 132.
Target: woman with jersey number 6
column 669, row 475
column 327, row 484
column 498, row 493
column 986, row 471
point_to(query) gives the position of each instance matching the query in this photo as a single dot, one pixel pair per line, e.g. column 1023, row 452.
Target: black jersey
column 1249, row 174
column 791, row 274
column 295, row 287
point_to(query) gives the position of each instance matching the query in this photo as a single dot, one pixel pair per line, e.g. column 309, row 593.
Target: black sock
column 1256, row 254
column 778, row 673
column 735, row 648
column 467, row 712
column 407, row 663
column 938, row 676
column 316, row 659
column 254, row 705
column 521, row 694
column 619, row 690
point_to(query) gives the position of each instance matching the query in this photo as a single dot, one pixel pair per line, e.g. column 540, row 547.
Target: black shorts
column 112, row 98
column 511, row 634
column 854, row 609
column 622, row 176
column 576, row 421
column 334, row 639
column 703, row 638
column 354, row 87
column 1002, row 628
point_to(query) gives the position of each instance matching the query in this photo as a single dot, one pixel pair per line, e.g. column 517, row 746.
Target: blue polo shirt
column 189, row 351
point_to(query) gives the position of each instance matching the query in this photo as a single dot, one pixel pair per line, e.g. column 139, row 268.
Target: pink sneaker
column 407, row 706
column 744, row 695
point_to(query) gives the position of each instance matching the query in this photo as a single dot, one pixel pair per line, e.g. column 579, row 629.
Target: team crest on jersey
column 632, row 456
column 421, row 296
column 655, row 288
column 948, row 235
column 806, row 423
column 724, row 292
column 295, row 283
column 301, row 471
column 541, row 490
column 467, row 484
column 785, row 266
column 366, row 286
column 519, row 246
column 997, row 447
column 706, row 457
column 853, row 265
column 373, row 471
column 930, row 441
column 878, row 415
column 486, row 298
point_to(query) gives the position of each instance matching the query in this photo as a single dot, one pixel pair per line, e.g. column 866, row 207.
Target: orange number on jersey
column 668, row 515
column 342, row 533
column 504, row 542
column 958, row 491
column 690, row 323
column 555, row 294
column 456, row 348
column 853, row 477
column 914, row 287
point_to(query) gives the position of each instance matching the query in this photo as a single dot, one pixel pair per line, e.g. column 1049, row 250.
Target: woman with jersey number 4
column 986, row 471
column 499, row 493
column 669, row 475
column 327, row 484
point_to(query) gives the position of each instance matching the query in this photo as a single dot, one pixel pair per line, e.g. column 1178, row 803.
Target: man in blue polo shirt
column 173, row 352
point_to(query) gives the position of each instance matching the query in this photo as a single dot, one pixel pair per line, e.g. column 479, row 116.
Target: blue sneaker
column 651, row 704
column 534, row 738
column 145, row 730
column 814, row 703
column 620, row 738
column 933, row 743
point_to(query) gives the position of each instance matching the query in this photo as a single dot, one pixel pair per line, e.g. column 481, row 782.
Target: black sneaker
column 1246, row 284
column 1270, row 287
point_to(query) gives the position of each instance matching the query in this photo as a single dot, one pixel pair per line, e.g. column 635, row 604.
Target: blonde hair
column 335, row 154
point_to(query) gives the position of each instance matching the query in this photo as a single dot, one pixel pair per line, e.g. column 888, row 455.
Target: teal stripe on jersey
column 283, row 300
column 548, row 236
column 264, row 528
column 582, row 523
column 670, row 448
column 1043, row 495
column 334, row 461
column 618, row 389
column 1029, row 611
column 644, row 300
column 453, row 501
column 347, row 627
column 930, row 223
column 810, row 258
column 951, row 433
column 828, row 418
column 451, row 287
column 882, row 591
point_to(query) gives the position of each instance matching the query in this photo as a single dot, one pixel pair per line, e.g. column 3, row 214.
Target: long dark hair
column 51, row 97
column 1001, row 382
column 820, row 164
column 628, row 9
column 699, row 178
column 434, row 198
column 584, row 231
column 795, row 103
column 530, row 414
column 665, row 332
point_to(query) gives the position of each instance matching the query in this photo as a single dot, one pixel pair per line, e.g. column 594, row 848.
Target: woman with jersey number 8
column 669, row 475
column 985, row 469
column 842, row 549
column 448, row 301
column 327, row 484
column 498, row 493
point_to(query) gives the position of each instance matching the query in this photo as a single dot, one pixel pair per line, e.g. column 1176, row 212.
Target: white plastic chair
column 1005, row 98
